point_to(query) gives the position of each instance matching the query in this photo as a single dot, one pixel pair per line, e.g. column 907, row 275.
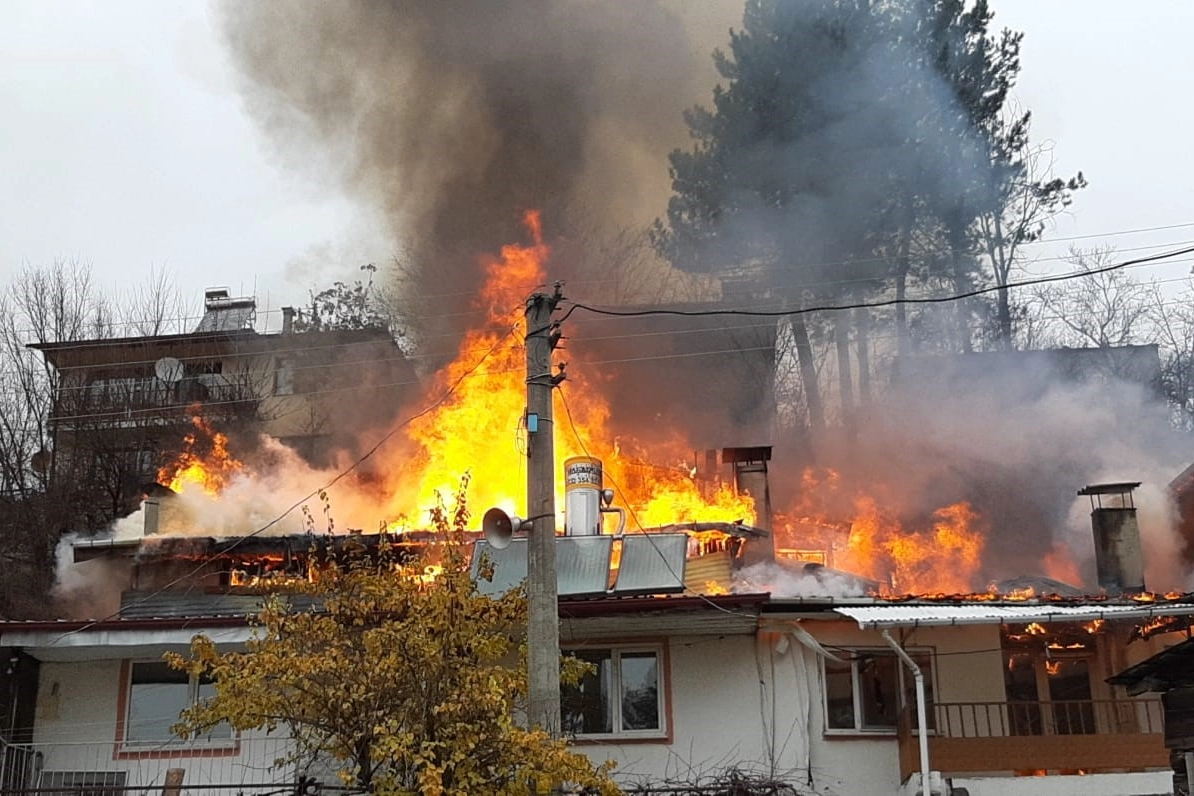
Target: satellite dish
column 168, row 370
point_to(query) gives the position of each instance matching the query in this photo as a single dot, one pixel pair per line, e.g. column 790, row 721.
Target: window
column 283, row 377
column 623, row 696
column 157, row 695
column 867, row 692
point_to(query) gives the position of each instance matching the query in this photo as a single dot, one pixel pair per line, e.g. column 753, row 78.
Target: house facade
column 121, row 404
column 812, row 692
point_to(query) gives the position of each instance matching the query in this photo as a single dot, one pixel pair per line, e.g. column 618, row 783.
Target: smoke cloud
column 450, row 119
column 1015, row 435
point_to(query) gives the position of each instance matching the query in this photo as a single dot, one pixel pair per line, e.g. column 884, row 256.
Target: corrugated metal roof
column 181, row 604
column 996, row 614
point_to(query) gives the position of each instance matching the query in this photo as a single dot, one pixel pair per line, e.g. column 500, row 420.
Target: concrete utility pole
column 543, row 631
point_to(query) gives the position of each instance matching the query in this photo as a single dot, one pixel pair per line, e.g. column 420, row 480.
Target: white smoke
column 796, row 581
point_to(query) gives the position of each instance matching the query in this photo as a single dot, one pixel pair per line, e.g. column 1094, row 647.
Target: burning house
column 814, row 676
column 827, row 629
column 132, row 403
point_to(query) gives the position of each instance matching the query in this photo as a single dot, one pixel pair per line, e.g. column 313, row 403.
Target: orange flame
column 863, row 534
column 943, row 558
column 1059, row 565
column 204, row 462
column 480, row 427
column 713, row 588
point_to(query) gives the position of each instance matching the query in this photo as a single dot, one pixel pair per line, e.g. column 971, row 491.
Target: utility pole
column 543, row 631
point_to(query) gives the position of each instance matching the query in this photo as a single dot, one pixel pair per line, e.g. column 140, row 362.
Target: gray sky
column 125, row 144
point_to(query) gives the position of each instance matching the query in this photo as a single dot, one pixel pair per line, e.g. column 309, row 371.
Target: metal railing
column 249, row 764
column 1069, row 717
column 112, row 396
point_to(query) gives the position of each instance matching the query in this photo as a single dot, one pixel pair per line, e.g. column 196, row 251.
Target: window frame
column 662, row 690
column 174, row 746
column 905, row 683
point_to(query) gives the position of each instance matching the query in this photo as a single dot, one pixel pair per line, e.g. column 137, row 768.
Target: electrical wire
column 177, row 321
column 234, row 543
column 883, row 303
column 633, row 515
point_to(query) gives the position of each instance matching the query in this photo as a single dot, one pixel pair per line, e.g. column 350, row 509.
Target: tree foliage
column 852, row 149
column 406, row 683
column 344, row 306
column 1104, row 309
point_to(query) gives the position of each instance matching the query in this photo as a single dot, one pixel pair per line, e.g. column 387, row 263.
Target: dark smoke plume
column 452, row 117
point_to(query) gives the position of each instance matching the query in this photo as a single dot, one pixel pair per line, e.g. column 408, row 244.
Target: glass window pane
column 586, row 707
column 223, row 730
column 157, row 695
column 640, row 691
column 839, row 696
column 878, row 690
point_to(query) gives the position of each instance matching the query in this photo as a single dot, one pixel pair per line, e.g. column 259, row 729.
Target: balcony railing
column 112, row 400
column 246, row 765
column 1023, row 737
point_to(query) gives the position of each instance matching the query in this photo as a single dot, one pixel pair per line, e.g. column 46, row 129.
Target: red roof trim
column 612, row 606
column 149, row 623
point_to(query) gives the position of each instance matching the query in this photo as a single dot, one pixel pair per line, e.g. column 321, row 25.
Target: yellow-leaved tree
column 401, row 677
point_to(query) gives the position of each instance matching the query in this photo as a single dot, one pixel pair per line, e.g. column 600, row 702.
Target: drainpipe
column 922, row 729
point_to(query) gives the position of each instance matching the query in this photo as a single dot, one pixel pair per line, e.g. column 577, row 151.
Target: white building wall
column 750, row 702
column 1150, row 783
column 757, row 703
column 76, row 730
column 738, row 701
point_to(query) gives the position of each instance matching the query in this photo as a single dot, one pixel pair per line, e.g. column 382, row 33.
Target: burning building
column 131, row 406
column 784, row 608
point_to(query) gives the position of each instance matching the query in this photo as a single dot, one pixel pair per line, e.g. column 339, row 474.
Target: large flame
column 204, row 463
column 479, row 428
column 864, row 535
column 472, row 421
column 945, row 556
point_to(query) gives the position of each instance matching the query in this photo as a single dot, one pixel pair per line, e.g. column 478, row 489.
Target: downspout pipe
column 922, row 728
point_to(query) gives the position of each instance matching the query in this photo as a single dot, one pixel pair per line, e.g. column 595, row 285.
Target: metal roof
column 182, row 604
column 1170, row 668
column 996, row 614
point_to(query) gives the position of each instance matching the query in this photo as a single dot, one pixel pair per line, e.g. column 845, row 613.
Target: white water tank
column 583, row 482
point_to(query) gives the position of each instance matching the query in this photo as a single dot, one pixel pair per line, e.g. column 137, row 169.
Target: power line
column 243, row 336
column 630, row 509
column 884, row 303
column 176, row 321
